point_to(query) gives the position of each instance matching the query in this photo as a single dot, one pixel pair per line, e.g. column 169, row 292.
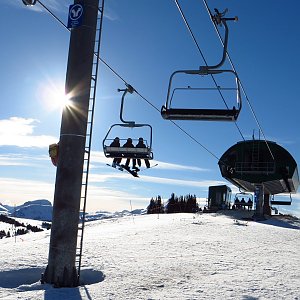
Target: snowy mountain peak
column 40, row 209
column 38, row 202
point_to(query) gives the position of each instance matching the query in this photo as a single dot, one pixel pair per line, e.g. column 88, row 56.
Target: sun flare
column 54, row 98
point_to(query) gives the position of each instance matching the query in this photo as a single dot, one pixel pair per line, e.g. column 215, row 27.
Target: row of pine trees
column 175, row 204
column 20, row 228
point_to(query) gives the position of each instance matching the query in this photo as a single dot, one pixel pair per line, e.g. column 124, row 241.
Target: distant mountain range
column 35, row 210
column 42, row 210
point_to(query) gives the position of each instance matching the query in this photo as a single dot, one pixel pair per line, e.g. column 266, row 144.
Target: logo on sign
column 75, row 15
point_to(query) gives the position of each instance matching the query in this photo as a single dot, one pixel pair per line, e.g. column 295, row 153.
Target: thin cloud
column 112, row 200
column 278, row 140
column 12, row 159
column 171, row 166
column 58, row 5
column 100, row 178
column 18, row 191
column 99, row 157
column 97, row 178
column 23, row 136
column 110, row 14
column 282, row 141
column 18, row 132
column 182, row 182
column 16, row 125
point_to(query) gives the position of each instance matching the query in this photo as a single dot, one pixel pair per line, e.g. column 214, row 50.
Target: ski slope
column 170, row 256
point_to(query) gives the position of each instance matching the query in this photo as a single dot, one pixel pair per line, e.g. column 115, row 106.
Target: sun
column 53, row 96
column 61, row 100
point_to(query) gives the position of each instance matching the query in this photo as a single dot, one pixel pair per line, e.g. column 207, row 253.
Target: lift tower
column 61, row 269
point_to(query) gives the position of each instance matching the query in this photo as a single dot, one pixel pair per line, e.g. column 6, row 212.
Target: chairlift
column 243, row 199
column 246, row 196
column 278, row 202
column 126, row 152
column 170, row 113
column 29, row 2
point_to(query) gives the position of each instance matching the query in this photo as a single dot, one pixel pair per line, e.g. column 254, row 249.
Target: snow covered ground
column 175, row 256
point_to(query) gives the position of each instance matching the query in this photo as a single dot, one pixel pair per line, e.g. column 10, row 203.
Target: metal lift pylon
column 63, row 270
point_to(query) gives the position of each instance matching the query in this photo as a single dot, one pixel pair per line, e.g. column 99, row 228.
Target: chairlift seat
column 125, row 152
column 199, row 114
column 275, row 202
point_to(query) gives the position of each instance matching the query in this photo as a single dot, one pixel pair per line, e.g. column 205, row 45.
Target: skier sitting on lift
column 141, row 144
column 117, row 160
column 129, row 144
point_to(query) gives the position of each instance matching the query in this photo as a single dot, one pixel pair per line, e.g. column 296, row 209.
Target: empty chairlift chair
column 169, row 112
column 281, row 202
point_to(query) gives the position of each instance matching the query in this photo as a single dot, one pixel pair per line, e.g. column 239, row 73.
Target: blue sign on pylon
column 256, row 194
column 75, row 15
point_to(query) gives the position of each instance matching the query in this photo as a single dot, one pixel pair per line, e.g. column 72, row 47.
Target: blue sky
column 144, row 42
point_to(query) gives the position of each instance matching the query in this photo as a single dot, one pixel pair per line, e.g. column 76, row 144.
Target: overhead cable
column 202, row 55
column 124, row 81
column 242, row 87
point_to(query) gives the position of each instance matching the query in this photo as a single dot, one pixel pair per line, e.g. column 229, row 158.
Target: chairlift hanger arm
column 129, row 89
column 219, row 19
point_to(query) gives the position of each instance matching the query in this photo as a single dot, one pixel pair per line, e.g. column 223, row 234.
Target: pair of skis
column 134, row 173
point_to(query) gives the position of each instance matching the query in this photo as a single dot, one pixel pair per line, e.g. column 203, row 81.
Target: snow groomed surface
column 170, row 256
